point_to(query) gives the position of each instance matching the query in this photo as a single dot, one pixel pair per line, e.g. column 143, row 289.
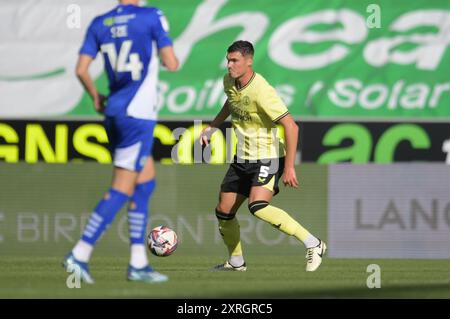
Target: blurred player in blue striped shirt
column 132, row 40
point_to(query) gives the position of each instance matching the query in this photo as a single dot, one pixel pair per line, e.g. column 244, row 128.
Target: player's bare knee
column 224, row 215
column 223, row 206
column 256, row 205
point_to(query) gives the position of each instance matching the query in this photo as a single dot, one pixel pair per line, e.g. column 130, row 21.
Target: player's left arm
column 271, row 103
column 160, row 32
column 168, row 58
column 291, row 138
column 82, row 72
column 87, row 54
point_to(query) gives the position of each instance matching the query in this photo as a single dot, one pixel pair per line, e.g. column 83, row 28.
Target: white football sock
column 82, row 251
column 236, row 261
column 311, row 241
column 138, row 256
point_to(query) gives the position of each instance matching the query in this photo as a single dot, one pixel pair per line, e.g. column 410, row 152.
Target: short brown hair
column 244, row 47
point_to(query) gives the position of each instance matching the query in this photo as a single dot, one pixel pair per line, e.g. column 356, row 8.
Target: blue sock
column 103, row 215
column 138, row 211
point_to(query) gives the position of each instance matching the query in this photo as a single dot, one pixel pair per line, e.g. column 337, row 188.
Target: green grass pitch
column 31, row 249
column 267, row 277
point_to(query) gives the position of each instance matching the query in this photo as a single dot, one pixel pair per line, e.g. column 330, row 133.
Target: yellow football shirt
column 255, row 109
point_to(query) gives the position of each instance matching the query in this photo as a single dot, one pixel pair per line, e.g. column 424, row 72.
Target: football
column 162, row 241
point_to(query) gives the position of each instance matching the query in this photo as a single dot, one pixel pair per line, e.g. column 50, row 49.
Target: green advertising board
column 327, row 59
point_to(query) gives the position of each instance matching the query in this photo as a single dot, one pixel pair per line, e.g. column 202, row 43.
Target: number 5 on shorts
column 264, row 171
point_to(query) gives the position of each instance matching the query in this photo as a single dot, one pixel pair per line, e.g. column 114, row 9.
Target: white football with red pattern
column 162, row 241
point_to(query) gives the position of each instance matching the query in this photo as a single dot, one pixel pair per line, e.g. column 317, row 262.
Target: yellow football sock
column 283, row 221
column 229, row 229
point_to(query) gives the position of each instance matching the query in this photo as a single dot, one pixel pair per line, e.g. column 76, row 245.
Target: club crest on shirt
column 246, row 101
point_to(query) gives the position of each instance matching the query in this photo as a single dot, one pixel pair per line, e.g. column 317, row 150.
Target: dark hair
column 244, row 47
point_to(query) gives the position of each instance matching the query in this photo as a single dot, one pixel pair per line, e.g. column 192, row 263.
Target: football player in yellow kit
column 261, row 159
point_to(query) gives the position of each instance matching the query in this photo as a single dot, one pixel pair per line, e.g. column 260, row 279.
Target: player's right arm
column 220, row 118
column 82, row 72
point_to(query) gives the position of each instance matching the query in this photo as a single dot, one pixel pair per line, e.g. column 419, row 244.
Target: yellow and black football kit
column 255, row 110
column 259, row 161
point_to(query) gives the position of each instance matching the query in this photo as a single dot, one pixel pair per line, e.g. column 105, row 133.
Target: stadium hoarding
column 44, row 208
column 389, row 211
column 400, row 210
column 334, row 59
column 319, row 142
column 375, row 142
